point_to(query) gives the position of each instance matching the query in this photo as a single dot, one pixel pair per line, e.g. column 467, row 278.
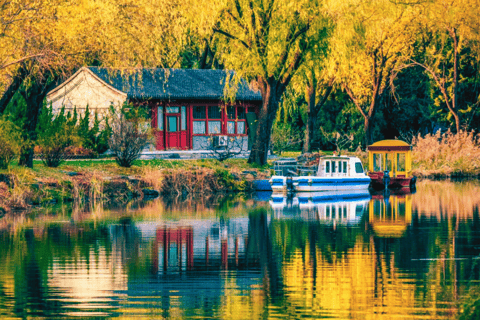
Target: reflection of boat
column 390, row 213
column 390, row 164
column 333, row 173
column 340, row 207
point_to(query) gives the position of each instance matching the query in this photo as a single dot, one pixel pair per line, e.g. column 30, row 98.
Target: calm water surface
column 396, row 256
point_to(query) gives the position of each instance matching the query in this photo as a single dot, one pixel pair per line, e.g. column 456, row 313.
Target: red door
column 176, row 127
column 173, row 132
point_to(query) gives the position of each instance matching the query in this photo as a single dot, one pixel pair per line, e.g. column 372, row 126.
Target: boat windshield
column 377, row 162
column 401, row 162
column 358, row 167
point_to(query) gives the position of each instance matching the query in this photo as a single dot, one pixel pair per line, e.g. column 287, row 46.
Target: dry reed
column 153, row 176
column 446, row 154
column 188, row 182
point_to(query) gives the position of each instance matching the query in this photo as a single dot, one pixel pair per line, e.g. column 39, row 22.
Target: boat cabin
column 333, row 173
column 390, row 164
column 339, row 166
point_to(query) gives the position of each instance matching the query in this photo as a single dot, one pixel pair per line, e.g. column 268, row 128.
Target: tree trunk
column 34, row 96
column 12, row 88
column 272, row 91
column 454, row 110
column 313, row 108
column 311, row 117
column 368, row 131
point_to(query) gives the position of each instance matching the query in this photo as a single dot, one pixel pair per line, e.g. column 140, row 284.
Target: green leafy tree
column 55, row 134
column 289, row 125
column 95, row 136
column 10, row 142
column 449, row 32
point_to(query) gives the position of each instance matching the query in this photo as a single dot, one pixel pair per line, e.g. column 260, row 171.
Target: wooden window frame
column 223, row 119
column 236, row 119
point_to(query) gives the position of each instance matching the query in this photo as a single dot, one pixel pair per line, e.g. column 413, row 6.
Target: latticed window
column 216, row 119
column 199, row 120
column 236, row 120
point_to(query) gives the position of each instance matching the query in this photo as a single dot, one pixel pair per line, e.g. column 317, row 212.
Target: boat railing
column 290, row 167
column 286, row 167
column 307, row 171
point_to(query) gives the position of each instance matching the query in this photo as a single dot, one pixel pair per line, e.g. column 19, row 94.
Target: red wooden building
column 187, row 106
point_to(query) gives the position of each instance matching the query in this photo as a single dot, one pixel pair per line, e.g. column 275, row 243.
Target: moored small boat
column 390, row 165
column 333, row 173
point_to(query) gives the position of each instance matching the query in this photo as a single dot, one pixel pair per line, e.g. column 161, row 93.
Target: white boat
column 336, row 207
column 333, row 173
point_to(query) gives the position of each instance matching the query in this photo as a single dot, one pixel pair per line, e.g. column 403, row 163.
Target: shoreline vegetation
column 438, row 156
column 92, row 181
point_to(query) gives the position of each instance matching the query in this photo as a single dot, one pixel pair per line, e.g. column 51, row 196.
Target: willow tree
column 64, row 35
column 315, row 81
column 449, row 26
column 372, row 40
column 14, row 48
column 266, row 41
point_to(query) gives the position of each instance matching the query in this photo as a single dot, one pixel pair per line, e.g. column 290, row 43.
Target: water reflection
column 390, row 213
column 336, row 207
column 328, row 255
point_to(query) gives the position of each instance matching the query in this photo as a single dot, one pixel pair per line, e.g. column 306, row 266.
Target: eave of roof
column 173, row 84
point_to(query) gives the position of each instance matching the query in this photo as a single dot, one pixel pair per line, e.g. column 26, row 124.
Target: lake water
column 380, row 256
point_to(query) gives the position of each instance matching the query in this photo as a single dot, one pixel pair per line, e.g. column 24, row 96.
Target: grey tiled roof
column 173, row 84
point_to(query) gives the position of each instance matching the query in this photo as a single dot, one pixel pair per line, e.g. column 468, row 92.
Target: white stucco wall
column 82, row 89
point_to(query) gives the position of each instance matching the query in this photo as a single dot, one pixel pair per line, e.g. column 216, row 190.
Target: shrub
column 286, row 137
column 94, row 137
column 55, row 134
column 130, row 133
column 10, row 142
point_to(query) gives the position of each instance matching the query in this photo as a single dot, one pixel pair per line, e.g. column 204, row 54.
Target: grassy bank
column 103, row 180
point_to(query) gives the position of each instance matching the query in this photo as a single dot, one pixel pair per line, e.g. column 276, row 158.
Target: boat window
column 334, row 213
column 358, row 167
column 389, row 161
column 327, row 166
column 327, row 212
column 377, row 162
column 401, row 162
column 333, row 166
column 344, row 166
column 345, row 212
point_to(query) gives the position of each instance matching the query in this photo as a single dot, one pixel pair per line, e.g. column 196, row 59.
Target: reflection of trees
column 363, row 271
column 260, row 245
column 29, row 257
